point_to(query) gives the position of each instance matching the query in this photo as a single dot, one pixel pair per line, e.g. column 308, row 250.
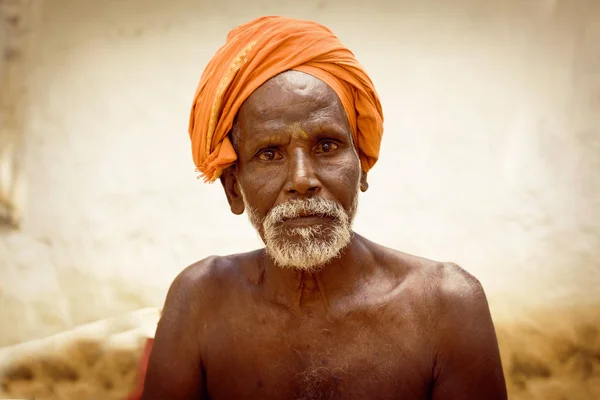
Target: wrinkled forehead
column 293, row 96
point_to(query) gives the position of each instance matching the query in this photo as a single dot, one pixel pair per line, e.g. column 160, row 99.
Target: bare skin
column 373, row 323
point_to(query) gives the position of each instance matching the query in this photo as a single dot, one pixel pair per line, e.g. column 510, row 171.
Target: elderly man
column 290, row 123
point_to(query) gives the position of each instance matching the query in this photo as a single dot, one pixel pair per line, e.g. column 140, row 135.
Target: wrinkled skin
column 374, row 323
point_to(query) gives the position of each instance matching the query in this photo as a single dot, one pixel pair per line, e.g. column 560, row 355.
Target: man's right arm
column 175, row 365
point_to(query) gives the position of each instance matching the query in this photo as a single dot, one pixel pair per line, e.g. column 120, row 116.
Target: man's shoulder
column 215, row 270
column 443, row 293
column 448, row 289
column 217, row 274
column 449, row 278
column 442, row 281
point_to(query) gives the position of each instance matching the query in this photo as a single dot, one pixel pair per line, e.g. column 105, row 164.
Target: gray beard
column 315, row 246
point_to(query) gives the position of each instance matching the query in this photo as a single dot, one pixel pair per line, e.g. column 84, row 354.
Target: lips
column 306, row 219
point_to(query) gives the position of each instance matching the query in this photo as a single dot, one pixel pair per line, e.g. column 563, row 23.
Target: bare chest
column 272, row 354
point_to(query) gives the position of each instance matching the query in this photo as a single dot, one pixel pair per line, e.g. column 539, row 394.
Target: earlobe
column 232, row 190
column 363, row 182
column 237, row 205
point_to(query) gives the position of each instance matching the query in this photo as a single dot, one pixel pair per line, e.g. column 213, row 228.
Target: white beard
column 316, row 245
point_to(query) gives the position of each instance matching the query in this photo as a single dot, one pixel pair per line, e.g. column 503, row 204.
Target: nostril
column 302, row 185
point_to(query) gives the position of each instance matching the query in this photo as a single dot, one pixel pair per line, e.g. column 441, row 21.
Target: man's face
column 298, row 172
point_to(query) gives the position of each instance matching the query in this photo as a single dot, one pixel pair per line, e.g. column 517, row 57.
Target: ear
column 232, row 190
column 363, row 182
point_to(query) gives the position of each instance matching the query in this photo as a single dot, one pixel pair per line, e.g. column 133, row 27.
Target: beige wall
column 17, row 18
column 491, row 154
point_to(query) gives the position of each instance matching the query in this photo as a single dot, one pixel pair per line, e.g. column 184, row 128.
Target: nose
column 302, row 180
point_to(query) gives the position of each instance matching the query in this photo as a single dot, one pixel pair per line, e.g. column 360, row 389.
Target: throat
column 311, row 292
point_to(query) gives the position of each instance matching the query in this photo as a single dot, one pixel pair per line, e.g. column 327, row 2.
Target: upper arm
column 175, row 364
column 468, row 364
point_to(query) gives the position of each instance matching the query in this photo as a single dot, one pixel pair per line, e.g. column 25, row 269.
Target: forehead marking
column 296, row 130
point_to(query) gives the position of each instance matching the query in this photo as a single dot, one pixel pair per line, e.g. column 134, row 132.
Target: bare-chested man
column 321, row 312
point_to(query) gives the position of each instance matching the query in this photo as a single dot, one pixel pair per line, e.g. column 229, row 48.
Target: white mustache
column 302, row 207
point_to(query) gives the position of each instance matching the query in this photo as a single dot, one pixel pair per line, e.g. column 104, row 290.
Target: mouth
column 308, row 220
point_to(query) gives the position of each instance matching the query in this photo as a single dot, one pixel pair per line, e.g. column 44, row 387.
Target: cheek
column 341, row 176
column 261, row 187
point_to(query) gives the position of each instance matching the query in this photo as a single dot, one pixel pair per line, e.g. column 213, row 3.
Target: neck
column 322, row 287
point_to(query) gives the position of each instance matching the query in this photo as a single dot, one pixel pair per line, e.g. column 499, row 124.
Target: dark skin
column 374, row 323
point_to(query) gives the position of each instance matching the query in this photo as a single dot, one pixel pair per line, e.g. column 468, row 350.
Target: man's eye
column 326, row 147
column 269, row 155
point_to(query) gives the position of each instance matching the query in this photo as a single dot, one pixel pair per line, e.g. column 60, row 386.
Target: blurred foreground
column 551, row 355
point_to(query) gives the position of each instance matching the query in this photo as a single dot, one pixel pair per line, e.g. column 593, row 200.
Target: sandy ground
column 550, row 355
column 84, row 371
column 553, row 355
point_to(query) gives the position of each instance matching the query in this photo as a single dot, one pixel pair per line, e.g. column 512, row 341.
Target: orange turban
column 257, row 51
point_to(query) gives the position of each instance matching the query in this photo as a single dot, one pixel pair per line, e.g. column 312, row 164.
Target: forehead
column 292, row 97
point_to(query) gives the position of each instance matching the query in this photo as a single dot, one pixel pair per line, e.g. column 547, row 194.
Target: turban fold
column 259, row 50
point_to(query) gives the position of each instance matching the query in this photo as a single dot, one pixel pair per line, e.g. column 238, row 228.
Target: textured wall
column 17, row 20
column 490, row 156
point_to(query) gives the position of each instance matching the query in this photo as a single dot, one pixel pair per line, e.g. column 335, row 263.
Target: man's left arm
column 468, row 365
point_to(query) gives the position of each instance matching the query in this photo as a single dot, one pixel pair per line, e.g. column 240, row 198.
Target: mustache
column 314, row 206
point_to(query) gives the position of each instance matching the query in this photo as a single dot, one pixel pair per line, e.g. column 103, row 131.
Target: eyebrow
column 264, row 139
column 329, row 128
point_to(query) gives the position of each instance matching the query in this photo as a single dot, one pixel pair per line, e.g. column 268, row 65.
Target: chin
column 300, row 261
column 307, row 248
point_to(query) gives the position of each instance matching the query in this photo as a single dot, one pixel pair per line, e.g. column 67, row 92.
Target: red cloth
column 142, row 367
